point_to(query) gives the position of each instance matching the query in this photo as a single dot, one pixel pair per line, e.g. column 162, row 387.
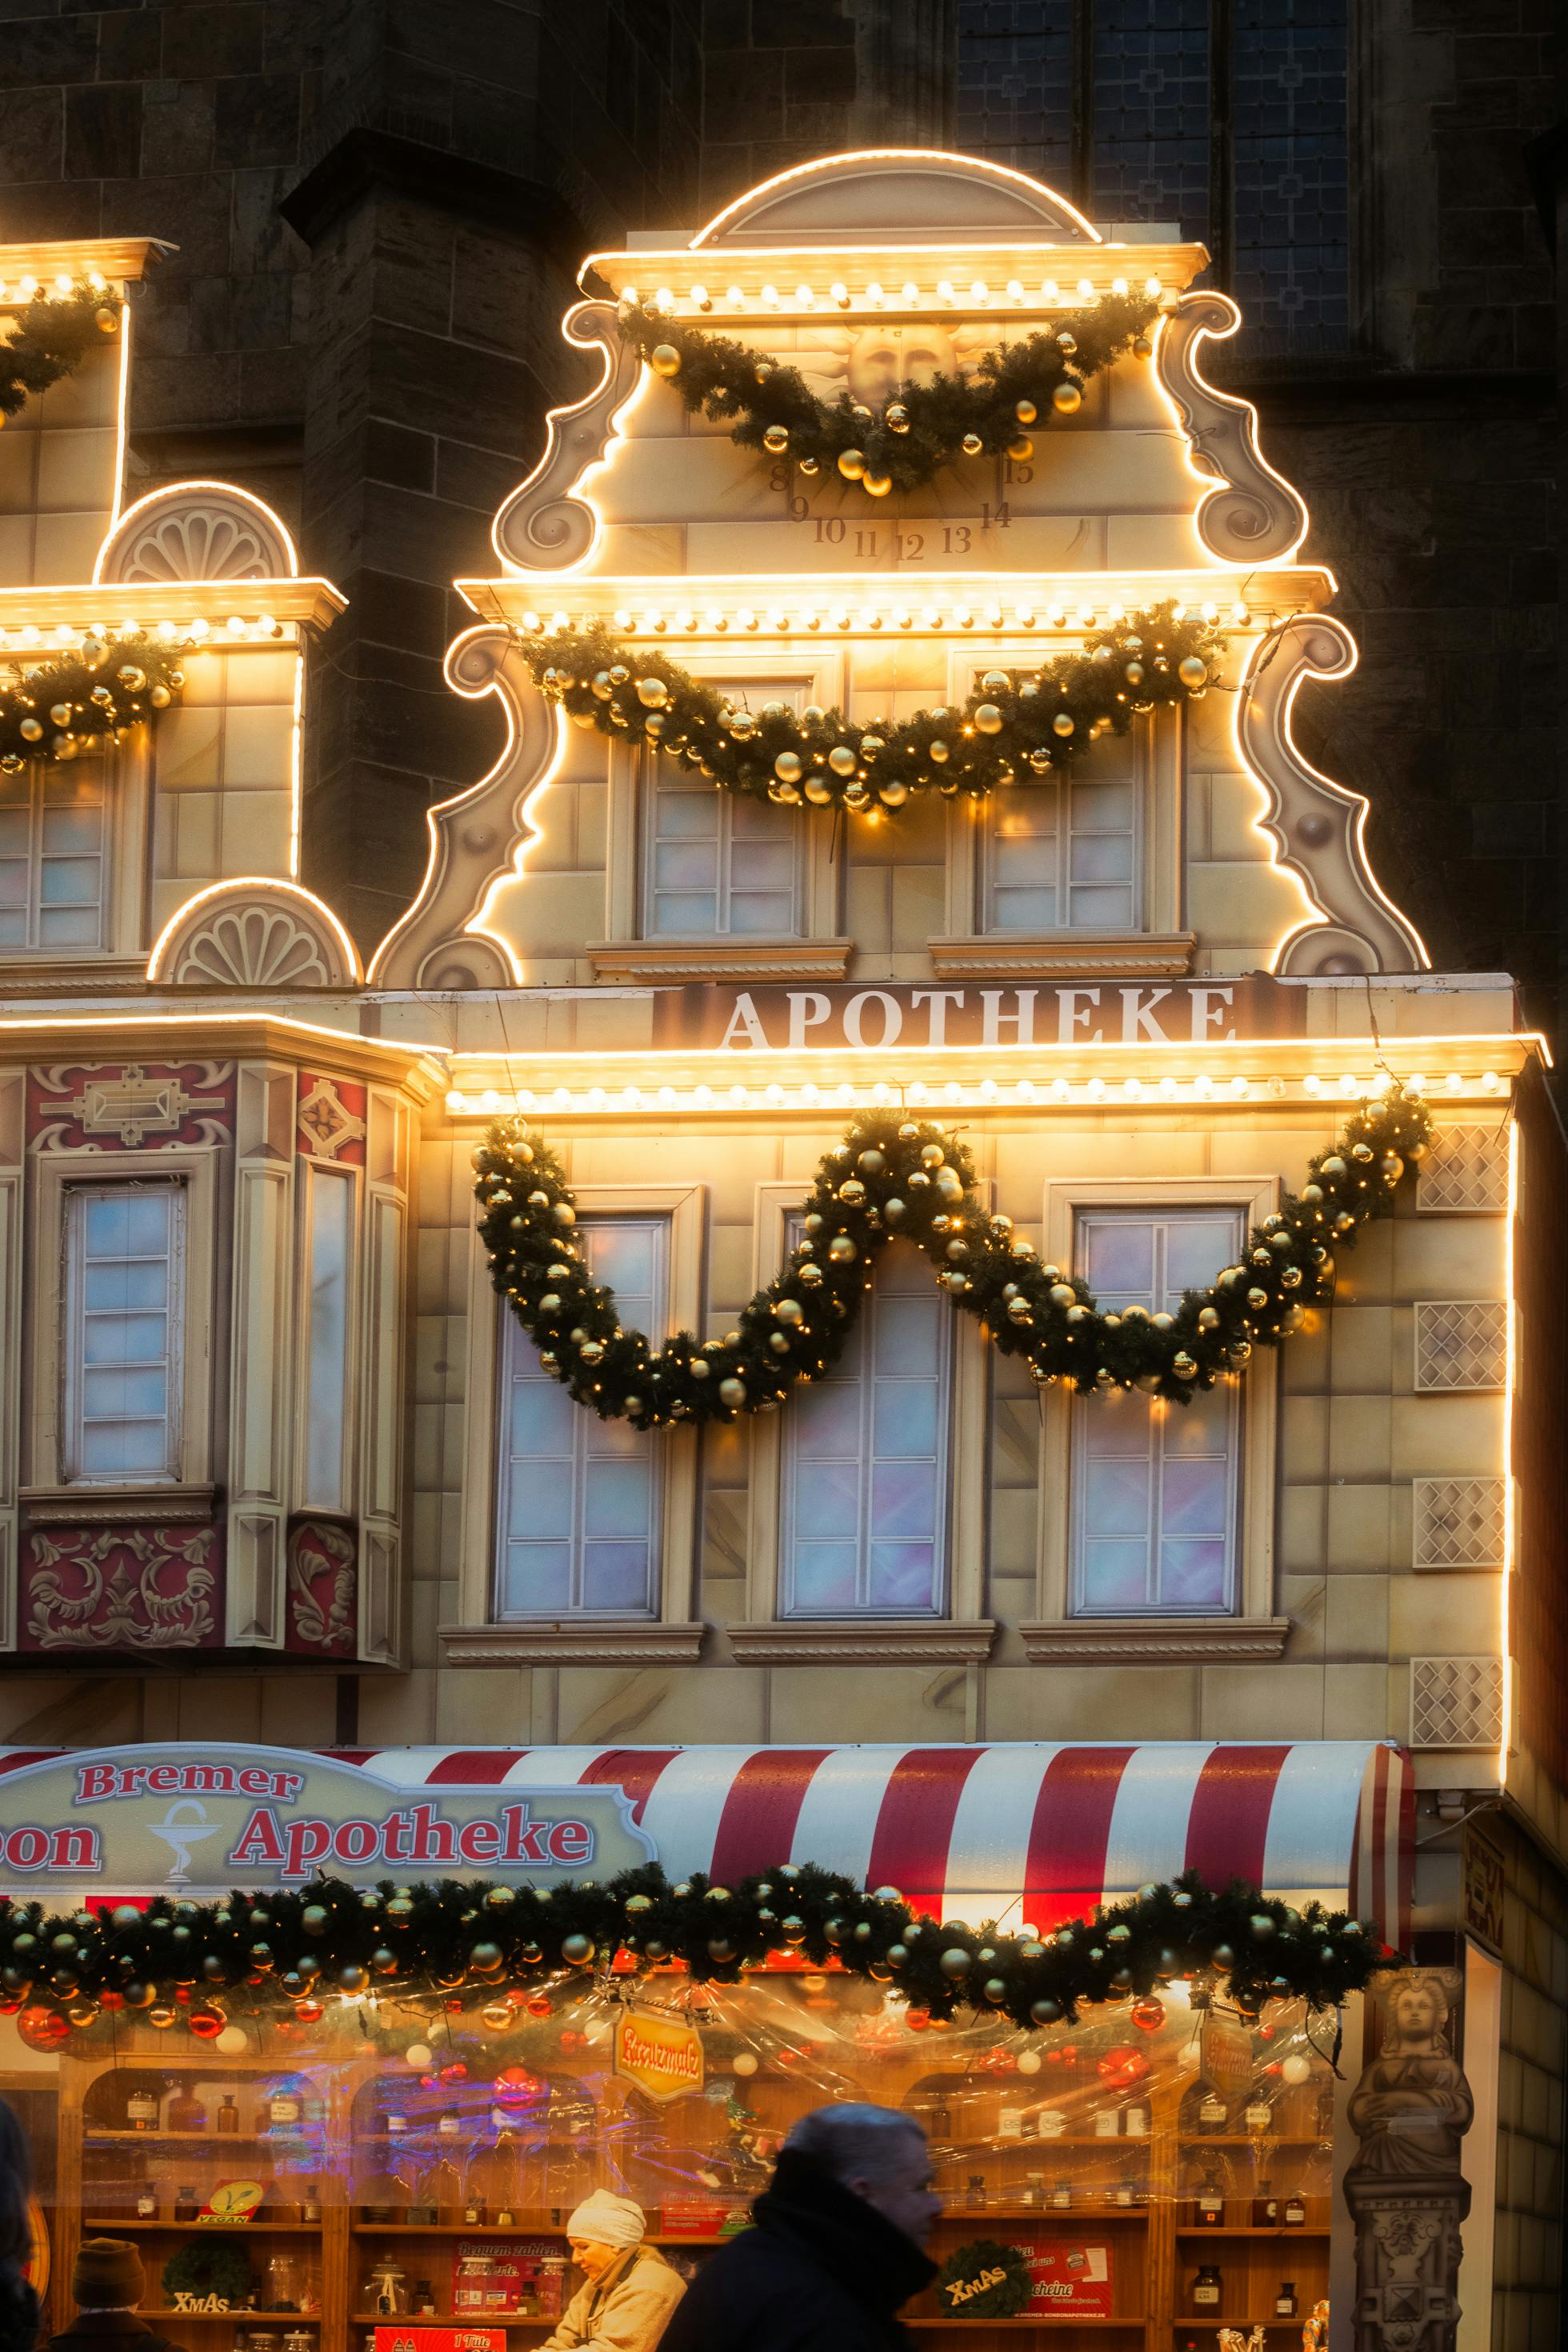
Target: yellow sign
column 660, row 2055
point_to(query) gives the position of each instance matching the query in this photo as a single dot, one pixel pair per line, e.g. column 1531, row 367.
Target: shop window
column 580, row 1499
column 1155, row 1487
column 720, row 864
column 328, row 1205
column 1061, row 855
column 53, row 855
column 123, row 1300
column 864, row 1469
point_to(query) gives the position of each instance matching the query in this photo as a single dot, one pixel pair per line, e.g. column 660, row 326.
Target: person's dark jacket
column 21, row 2321
column 821, row 2271
column 109, row 2331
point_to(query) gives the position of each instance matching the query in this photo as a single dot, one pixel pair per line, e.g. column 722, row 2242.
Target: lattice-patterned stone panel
column 1464, row 1172
column 1456, row 1702
column 1460, row 1343
column 1458, row 1522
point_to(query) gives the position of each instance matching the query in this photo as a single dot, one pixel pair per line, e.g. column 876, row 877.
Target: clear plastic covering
column 1152, row 2170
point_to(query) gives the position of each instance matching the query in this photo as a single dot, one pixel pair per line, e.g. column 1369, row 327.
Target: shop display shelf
column 448, row 2319
column 251, row 2228
column 1255, row 2229
column 1078, row 2210
column 1251, row 2139
column 244, row 2317
column 1040, row 2319
column 93, row 2137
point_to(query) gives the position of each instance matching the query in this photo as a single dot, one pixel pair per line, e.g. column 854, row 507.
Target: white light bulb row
column 948, row 293
column 67, row 634
column 60, row 290
column 952, row 1094
column 932, row 618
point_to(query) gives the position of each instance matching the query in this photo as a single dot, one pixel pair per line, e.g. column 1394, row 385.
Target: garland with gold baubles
column 1018, row 724
column 78, row 702
column 468, row 1944
column 53, row 335
column 902, row 1176
column 1011, row 392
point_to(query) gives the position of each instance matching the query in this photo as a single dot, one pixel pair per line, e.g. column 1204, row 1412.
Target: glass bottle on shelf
column 281, row 2291
column 281, row 2109
column 1257, row 2113
column 1207, row 2288
column 1135, row 2119
column 1208, row 2197
column 449, row 2124
column 141, row 2109
column 474, row 2209
column 185, row 2204
column 443, row 2191
column 975, row 2195
column 1202, row 2109
column 386, row 2289
column 424, row 2299
column 1295, row 2211
column 1125, row 2190
column 186, row 2112
column 1035, row 2192
column 311, row 2204
column 1285, row 2305
column 146, row 2202
column 1265, row 2206
column 1062, row 2196
column 226, row 2120
column 942, row 2121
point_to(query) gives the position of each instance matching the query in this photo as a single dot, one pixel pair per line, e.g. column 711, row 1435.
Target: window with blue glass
column 1226, row 117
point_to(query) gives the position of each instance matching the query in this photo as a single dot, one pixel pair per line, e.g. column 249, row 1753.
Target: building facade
column 279, row 1463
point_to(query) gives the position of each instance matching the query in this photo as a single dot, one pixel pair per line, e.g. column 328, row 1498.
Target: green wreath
column 52, row 337
column 57, row 709
column 1006, row 2287
column 893, row 1175
column 920, row 427
column 1019, row 724
column 204, row 2266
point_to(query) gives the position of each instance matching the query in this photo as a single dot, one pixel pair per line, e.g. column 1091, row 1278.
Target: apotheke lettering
column 774, row 1019
column 296, row 1848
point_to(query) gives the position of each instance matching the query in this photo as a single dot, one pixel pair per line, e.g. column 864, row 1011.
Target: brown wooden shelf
column 1255, row 2229
column 280, row 2319
column 1251, row 2139
column 1041, row 2319
column 971, row 2216
column 448, row 2319
column 525, row 2229
column 97, row 2136
column 251, row 2228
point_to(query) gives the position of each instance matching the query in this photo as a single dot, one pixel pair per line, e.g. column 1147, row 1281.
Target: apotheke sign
column 899, row 1013
column 199, row 1819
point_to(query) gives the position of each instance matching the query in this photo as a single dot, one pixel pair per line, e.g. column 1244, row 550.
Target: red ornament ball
column 111, row 1999
column 515, row 2087
column 538, row 2005
column 455, row 2073
column 1122, row 2065
column 206, row 2021
column 309, row 2013
column 917, row 2020
column 42, row 2028
column 1148, row 2014
column 1266, row 2032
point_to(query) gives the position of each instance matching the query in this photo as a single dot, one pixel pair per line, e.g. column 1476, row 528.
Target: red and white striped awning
column 1039, row 1832
column 1026, row 1831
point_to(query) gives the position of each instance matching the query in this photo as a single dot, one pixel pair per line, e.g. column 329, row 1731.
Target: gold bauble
column 841, row 760
column 973, row 444
column 1142, row 347
column 1021, row 448
column 105, row 320
column 1067, row 399
column 1062, row 724
column 665, row 360
column 878, row 485
column 1192, row 671
column 777, row 439
column 895, row 417
column 852, row 463
column 1026, row 412
column 818, row 790
column 1067, row 341
column 787, row 767
column 988, row 718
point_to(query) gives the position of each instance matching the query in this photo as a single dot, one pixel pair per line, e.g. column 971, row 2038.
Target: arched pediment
column 197, row 531
column 255, row 933
column 899, row 196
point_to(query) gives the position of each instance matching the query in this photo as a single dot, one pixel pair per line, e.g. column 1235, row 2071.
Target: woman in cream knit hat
column 631, row 2290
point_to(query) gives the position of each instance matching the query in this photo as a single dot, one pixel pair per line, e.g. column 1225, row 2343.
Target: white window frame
column 313, row 1175
column 46, row 1450
column 475, row 1637
column 1252, row 1629
column 1063, row 784
column 36, row 777
column 659, row 777
column 962, row 1634
column 74, row 1313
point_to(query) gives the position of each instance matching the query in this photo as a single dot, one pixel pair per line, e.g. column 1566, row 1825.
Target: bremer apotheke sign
column 881, row 1014
column 200, row 1819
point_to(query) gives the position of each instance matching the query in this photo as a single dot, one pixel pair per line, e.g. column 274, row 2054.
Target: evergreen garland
column 1006, row 2292
column 468, row 1941
column 920, row 427
column 52, row 337
column 210, row 2265
column 897, row 1175
column 54, row 709
column 1019, row 724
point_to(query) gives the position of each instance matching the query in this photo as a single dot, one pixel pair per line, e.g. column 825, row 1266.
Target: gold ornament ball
column 1192, row 670
column 31, row 730
column 105, row 320
column 665, row 360
column 818, row 791
column 841, row 760
column 878, row 485
column 988, row 718
column 1062, row 724
column 893, row 794
column 895, row 417
column 160, row 697
column 1021, row 449
column 786, row 767
column 1026, row 412
column 1067, row 341
column 809, row 466
column 841, row 1249
column 1133, row 673
column 652, row 693
column 732, row 1392
column 852, row 463
column 1067, row 399
column 777, row 439
column 1142, row 347
column 973, row 444
column 60, row 712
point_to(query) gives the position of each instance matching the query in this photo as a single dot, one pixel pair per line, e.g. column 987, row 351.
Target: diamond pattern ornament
column 1458, row 1522
column 1460, row 1343
column 1456, row 1702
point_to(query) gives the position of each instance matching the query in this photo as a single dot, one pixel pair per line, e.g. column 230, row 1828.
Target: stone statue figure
column 1410, row 2110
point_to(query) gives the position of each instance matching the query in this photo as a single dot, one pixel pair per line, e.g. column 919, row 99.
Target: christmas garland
column 472, row 1941
column 57, row 709
column 893, row 1175
column 52, row 338
column 920, row 427
column 1016, row 725
column 985, row 2280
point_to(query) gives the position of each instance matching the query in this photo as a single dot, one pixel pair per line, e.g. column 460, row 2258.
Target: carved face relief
column 881, row 358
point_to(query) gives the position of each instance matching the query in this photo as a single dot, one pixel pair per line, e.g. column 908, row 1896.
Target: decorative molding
column 196, row 531
column 651, row 962
column 1318, row 827
column 326, row 1123
column 1456, row 1702
column 1458, row 1522
column 592, row 1642
column 255, row 933
column 1464, row 1172
column 1089, row 955
column 1251, row 515
column 119, row 1587
column 322, row 1582
column 868, row 1641
column 92, row 1506
column 131, row 1102
column 1193, row 1641
column 1460, row 1344
column 474, row 835
column 543, row 526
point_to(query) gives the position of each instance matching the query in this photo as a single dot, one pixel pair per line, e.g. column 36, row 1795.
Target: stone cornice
column 1152, row 1641
column 866, row 1641
column 588, row 1642
column 98, row 1036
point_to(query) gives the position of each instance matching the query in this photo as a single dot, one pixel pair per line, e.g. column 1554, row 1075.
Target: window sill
column 94, row 1506
column 1193, row 1641
column 727, row 959
column 588, row 1640
column 868, row 1641
column 1085, row 955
